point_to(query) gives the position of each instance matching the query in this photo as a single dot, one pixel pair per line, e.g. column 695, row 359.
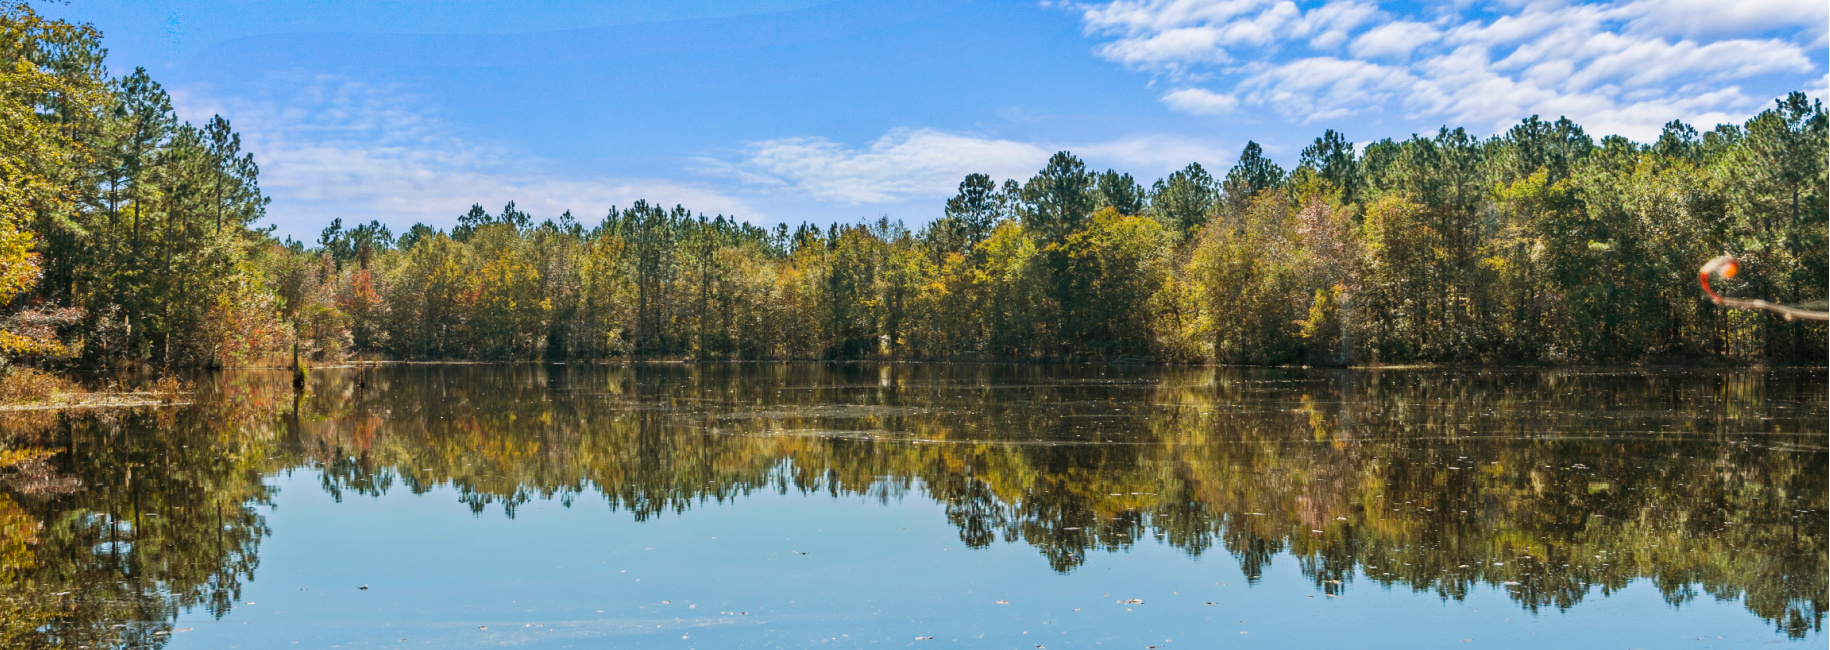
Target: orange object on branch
column 1727, row 266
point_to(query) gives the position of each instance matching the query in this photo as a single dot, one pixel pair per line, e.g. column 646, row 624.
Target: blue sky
column 790, row 110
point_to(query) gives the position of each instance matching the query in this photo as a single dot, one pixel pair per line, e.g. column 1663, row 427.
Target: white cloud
column 1616, row 67
column 925, row 163
column 1172, row 35
column 1462, row 86
column 1393, row 39
column 330, row 148
column 1145, row 16
column 336, row 149
column 1200, row 101
column 1320, row 88
column 898, row 165
column 1182, row 46
column 1648, row 62
column 1148, row 155
column 1329, row 26
column 1703, row 18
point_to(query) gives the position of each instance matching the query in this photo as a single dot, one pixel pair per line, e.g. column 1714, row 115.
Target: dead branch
column 1727, row 266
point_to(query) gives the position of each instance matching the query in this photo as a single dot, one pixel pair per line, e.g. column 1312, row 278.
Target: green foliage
column 1105, row 276
column 970, row 216
column 1121, row 193
column 1186, row 200
column 1539, row 245
column 1059, row 198
column 1536, row 246
column 1332, row 158
column 1253, row 173
column 139, row 221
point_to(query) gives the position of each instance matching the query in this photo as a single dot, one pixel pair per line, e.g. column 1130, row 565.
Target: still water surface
column 803, row 505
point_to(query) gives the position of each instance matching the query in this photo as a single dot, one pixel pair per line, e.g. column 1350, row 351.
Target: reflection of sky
column 871, row 575
column 784, row 110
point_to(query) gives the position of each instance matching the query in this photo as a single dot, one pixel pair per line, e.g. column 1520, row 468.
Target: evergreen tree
column 1060, row 198
column 1185, row 200
column 1253, row 173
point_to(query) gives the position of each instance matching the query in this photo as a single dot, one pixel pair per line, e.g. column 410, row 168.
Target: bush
column 25, row 385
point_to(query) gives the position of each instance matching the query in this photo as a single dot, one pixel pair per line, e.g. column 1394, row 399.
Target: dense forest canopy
column 129, row 235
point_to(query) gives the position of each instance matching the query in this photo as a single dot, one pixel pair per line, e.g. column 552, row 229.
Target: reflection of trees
column 1564, row 483
column 165, row 519
column 1553, row 486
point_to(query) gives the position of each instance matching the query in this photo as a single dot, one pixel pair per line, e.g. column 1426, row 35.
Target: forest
column 131, row 237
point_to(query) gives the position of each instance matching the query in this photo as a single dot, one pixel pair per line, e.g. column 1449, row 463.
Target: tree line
column 128, row 235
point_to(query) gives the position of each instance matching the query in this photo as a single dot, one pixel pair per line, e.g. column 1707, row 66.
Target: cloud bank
column 925, row 163
column 1616, row 67
column 333, row 148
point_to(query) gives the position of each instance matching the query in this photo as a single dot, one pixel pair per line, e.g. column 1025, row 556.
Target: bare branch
column 1727, row 266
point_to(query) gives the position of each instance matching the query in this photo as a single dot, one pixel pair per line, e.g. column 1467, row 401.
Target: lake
column 908, row 505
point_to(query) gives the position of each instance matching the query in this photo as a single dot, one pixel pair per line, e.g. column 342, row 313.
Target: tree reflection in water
column 1555, row 486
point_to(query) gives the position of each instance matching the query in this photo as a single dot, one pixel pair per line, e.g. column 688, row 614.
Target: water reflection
column 1558, row 487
